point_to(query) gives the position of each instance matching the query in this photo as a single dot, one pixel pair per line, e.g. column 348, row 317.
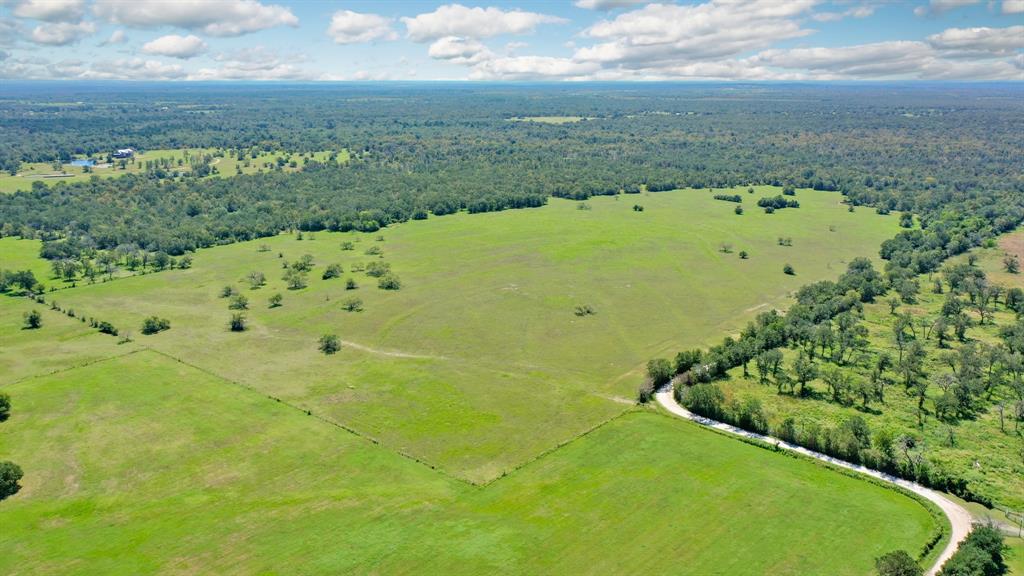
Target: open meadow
column 480, row 361
column 142, row 464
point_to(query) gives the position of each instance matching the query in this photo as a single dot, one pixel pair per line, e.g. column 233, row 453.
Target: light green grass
column 485, row 316
column 141, row 464
column 1015, row 556
column 226, row 166
column 19, row 254
column 60, row 343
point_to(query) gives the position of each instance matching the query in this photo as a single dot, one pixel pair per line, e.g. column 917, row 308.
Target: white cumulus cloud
column 1013, row 6
column 50, row 10
column 348, row 27
column 998, row 41
column 459, row 50
column 222, row 18
column 532, row 68
column 62, row 33
column 176, row 46
column 940, row 6
column 458, row 20
column 669, row 34
column 606, row 4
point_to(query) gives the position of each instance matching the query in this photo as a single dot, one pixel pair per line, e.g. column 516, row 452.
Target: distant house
column 124, row 153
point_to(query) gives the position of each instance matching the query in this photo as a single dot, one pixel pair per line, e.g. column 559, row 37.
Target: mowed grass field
column 228, row 165
column 479, row 363
column 141, row 464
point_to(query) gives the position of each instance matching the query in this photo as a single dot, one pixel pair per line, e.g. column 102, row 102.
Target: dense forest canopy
column 947, row 152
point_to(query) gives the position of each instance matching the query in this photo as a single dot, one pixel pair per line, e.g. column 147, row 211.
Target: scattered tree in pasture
column 725, row 248
column 377, row 269
column 227, row 291
column 1011, row 263
column 154, row 324
column 238, row 322
column 295, row 279
column 10, row 474
column 389, row 282
column 5, row 406
column 256, row 279
column 348, row 245
column 275, row 300
column 788, row 269
column 33, row 320
column 374, row 251
column 638, row 208
column 105, row 327
column 744, row 255
column 584, row 310
column 352, row 304
column 329, row 344
column 350, row 284
column 332, row 271
column 238, row 302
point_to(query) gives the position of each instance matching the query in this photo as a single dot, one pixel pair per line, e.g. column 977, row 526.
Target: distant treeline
column 444, row 149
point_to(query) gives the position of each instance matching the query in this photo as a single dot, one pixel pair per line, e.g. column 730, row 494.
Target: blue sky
column 524, row 40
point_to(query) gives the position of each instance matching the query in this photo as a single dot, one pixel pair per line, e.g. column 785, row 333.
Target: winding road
column 959, row 517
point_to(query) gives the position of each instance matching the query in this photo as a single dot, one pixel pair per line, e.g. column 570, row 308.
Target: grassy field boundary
column 323, row 419
column 74, row 367
column 560, row 445
column 929, row 551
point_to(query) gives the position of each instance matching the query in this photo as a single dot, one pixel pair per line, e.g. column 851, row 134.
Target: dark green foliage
column 788, row 269
column 10, row 474
column 584, row 310
column 897, row 563
column 350, row 284
column 106, row 328
column 352, row 305
column 704, row 399
column 329, row 344
column 980, row 554
column 729, row 197
column 377, row 269
column 5, row 406
column 275, row 300
column 153, row 324
column 238, row 322
column 332, row 271
column 33, row 319
column 389, row 282
column 659, row 371
column 777, row 203
column 238, row 302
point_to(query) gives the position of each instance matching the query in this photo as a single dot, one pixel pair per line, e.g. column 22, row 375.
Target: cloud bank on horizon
column 609, row 40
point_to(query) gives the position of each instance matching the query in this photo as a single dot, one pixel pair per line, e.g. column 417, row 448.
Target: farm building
column 124, row 153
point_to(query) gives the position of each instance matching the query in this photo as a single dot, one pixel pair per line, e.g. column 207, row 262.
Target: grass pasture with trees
column 142, row 464
column 164, row 163
column 481, row 340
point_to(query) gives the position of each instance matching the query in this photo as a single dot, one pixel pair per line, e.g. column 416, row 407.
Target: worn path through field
column 959, row 517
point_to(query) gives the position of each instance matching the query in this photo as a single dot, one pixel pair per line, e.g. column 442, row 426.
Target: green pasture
column 482, row 344
column 142, row 464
